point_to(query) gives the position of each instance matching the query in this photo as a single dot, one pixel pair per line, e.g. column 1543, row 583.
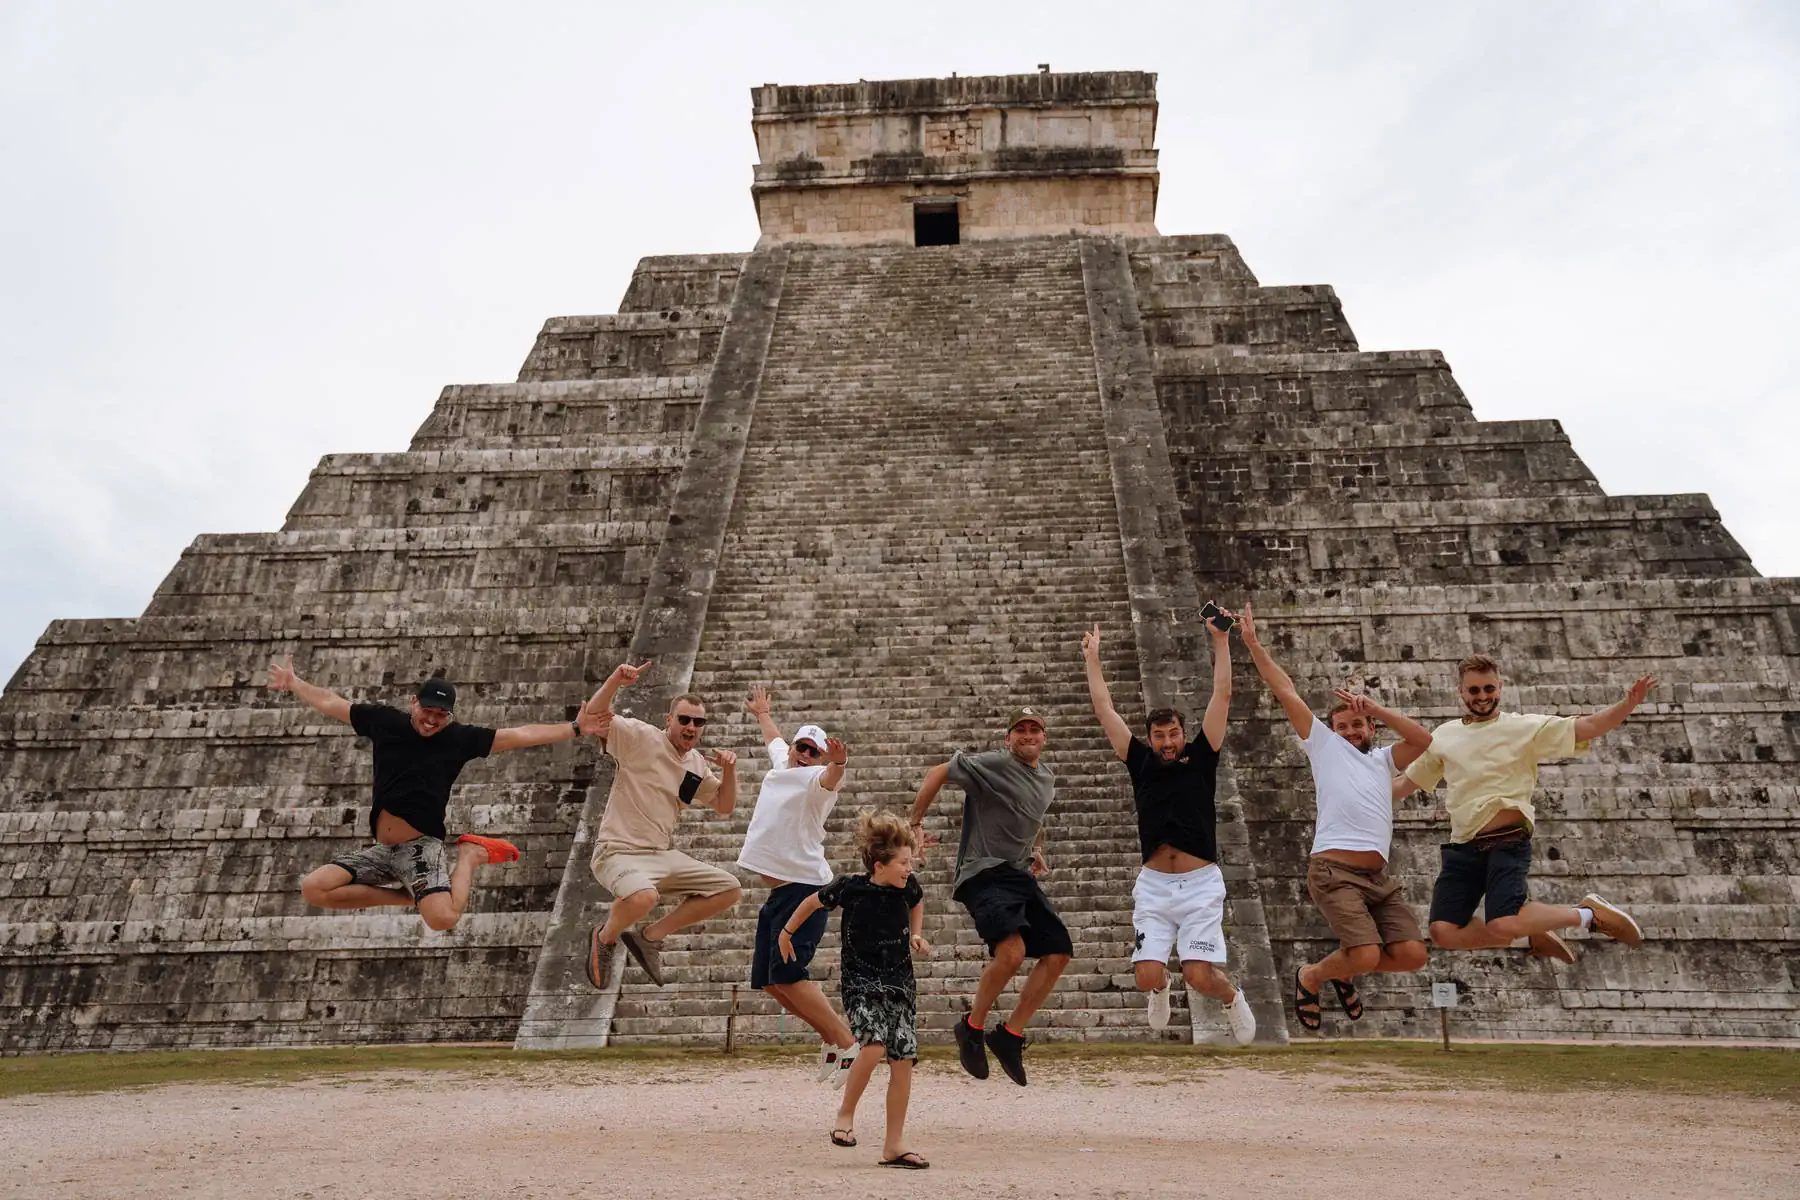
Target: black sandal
column 843, row 1137
column 1347, row 997
column 1305, row 1001
column 909, row 1160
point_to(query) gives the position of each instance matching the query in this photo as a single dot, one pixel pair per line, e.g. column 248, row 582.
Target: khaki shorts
column 622, row 870
column 1362, row 905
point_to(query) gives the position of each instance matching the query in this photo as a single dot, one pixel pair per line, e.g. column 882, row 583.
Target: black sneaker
column 1009, row 1048
column 970, row 1049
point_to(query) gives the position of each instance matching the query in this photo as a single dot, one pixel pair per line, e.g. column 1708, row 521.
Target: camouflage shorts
column 419, row 866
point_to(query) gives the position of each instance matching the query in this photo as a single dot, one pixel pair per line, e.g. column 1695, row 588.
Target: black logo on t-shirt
column 1139, row 945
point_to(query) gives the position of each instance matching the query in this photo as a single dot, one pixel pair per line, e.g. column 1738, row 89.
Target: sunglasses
column 1484, row 690
column 696, row 722
column 807, row 748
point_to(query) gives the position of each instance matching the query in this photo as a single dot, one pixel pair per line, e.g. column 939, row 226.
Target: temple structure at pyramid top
column 938, row 161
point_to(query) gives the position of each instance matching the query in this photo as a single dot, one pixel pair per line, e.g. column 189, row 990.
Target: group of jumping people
column 1487, row 758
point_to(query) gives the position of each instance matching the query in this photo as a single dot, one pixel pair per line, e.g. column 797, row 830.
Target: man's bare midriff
column 1171, row 861
column 1367, row 860
column 1506, row 818
column 391, row 830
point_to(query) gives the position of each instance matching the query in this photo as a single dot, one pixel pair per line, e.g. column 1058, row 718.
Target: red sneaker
column 497, row 850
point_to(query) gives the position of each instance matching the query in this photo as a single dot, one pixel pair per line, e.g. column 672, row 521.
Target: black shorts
column 1470, row 870
column 766, row 966
column 1004, row 900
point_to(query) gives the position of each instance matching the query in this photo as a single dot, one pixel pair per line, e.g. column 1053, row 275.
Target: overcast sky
column 237, row 236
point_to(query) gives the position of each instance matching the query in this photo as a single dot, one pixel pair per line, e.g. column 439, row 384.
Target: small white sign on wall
column 1443, row 995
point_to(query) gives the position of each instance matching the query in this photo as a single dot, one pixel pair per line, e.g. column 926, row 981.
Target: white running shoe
column 1159, row 1007
column 845, row 1060
column 1241, row 1019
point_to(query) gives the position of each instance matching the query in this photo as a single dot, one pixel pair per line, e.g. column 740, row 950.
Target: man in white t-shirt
column 1347, row 874
column 1490, row 762
column 785, row 844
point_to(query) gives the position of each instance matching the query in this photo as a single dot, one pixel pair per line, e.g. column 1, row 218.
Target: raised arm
column 1117, row 731
column 1279, row 681
column 725, row 799
column 1218, row 707
column 836, row 755
column 323, row 700
column 518, row 737
column 1415, row 739
column 623, row 675
column 1608, row 719
column 762, row 708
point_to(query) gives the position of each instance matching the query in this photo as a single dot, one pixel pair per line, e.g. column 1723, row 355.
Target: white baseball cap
column 811, row 733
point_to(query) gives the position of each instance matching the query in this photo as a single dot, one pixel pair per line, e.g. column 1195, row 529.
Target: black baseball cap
column 437, row 693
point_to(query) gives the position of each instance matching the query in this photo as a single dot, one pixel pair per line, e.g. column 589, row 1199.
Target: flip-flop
column 1306, row 1005
column 910, row 1160
column 843, row 1137
column 1347, row 997
column 497, row 850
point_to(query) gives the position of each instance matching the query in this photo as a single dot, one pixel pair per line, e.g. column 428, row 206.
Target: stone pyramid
column 961, row 401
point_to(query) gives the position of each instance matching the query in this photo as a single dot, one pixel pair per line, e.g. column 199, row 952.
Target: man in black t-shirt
column 418, row 756
column 1178, row 903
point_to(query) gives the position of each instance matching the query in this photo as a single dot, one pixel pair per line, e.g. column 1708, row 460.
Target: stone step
column 474, row 488
column 561, row 564
column 601, row 412
column 683, row 281
column 668, row 342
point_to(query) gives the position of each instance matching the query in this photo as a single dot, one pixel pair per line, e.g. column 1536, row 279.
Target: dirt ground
column 686, row 1130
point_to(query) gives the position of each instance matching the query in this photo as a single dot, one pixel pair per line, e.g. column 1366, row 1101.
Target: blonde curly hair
column 880, row 836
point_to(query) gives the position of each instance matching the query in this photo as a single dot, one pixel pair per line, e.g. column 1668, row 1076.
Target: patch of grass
column 1681, row 1070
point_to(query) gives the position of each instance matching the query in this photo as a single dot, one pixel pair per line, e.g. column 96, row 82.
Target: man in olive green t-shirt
column 1490, row 760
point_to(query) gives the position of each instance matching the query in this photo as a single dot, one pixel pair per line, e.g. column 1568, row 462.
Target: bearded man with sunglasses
column 659, row 772
column 785, row 844
column 1490, row 759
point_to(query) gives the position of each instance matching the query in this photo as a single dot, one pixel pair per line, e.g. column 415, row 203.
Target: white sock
column 1587, row 917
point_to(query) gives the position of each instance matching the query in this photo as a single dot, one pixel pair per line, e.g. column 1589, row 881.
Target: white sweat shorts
column 1183, row 912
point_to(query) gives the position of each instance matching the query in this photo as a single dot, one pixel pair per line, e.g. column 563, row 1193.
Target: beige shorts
column 623, row 870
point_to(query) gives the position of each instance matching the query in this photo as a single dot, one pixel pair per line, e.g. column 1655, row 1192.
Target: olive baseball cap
column 437, row 693
column 1025, row 714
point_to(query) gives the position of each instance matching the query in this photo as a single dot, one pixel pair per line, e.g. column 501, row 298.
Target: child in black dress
column 883, row 913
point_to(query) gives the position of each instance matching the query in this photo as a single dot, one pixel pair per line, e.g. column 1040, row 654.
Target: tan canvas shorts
column 623, row 870
column 1362, row 905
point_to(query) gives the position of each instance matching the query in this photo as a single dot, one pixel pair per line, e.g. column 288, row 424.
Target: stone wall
column 1017, row 155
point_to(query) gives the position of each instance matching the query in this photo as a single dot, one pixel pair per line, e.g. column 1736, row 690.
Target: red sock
column 972, row 1024
column 1011, row 1030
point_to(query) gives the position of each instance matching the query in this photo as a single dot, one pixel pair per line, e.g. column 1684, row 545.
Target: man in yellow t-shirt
column 1490, row 760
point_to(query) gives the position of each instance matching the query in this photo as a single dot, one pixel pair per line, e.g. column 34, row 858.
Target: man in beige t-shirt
column 659, row 772
column 1490, row 760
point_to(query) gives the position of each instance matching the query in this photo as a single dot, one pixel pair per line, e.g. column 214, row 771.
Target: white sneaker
column 1159, row 1007
column 828, row 1061
column 845, row 1060
column 1241, row 1019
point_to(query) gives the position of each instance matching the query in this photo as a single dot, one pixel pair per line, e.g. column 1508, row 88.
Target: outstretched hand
column 1090, row 644
column 281, row 675
column 925, row 840
column 758, row 705
column 1247, row 626
column 595, row 724
column 723, row 759
column 1639, row 691
column 836, row 753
